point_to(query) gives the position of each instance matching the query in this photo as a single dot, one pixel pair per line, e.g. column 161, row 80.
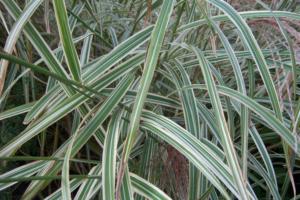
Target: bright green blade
column 66, row 39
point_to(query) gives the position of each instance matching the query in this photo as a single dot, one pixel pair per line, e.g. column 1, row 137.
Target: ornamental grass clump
column 161, row 99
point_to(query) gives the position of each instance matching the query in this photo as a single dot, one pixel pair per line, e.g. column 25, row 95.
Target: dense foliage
column 156, row 99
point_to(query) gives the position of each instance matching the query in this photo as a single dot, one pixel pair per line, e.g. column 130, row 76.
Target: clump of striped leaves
column 170, row 99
